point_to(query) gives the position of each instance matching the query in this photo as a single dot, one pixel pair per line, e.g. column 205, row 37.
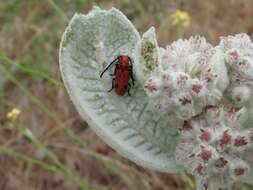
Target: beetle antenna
column 107, row 67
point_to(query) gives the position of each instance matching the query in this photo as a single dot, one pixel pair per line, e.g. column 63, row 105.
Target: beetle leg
column 131, row 70
column 113, row 80
column 131, row 75
column 128, row 90
column 130, row 61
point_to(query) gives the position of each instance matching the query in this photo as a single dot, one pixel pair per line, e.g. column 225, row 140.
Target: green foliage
column 29, row 43
column 147, row 53
column 35, row 65
column 81, row 61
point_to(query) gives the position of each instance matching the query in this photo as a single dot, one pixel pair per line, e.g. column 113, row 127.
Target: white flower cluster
column 214, row 148
column 238, row 51
column 203, row 91
column 209, row 89
column 189, row 79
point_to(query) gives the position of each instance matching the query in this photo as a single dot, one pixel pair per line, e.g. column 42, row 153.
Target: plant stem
column 8, row 151
column 83, row 184
column 31, row 71
column 190, row 184
column 51, row 156
column 58, row 10
column 37, row 102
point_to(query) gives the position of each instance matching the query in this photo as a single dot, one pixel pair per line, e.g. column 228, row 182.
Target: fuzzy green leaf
column 89, row 43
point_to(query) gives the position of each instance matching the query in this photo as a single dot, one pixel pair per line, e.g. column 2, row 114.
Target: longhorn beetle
column 123, row 72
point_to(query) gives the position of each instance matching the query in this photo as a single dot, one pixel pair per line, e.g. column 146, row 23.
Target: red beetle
column 122, row 74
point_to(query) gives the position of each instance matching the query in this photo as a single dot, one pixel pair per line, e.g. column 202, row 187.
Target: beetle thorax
column 124, row 61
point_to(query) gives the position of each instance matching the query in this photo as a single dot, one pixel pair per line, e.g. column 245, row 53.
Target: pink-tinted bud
column 206, row 154
column 209, row 76
column 201, row 60
column 213, row 111
column 205, row 136
column 151, row 86
column 166, row 77
column 243, row 62
column 205, row 185
column 225, row 139
column 187, row 126
column 196, row 88
column 185, row 100
column 182, row 79
column 238, row 171
column 201, row 170
column 232, row 116
column 241, row 94
column 240, row 141
column 233, row 56
column 221, row 162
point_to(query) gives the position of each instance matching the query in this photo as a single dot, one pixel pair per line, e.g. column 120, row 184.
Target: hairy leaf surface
column 89, row 43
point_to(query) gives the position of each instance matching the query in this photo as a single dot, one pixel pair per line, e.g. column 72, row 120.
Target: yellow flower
column 181, row 18
column 13, row 115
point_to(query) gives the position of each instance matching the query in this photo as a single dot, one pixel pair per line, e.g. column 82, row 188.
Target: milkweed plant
column 191, row 107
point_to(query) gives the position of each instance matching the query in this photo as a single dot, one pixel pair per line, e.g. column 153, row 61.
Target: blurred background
column 44, row 144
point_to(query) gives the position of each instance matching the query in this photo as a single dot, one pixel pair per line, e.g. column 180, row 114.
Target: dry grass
column 29, row 35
